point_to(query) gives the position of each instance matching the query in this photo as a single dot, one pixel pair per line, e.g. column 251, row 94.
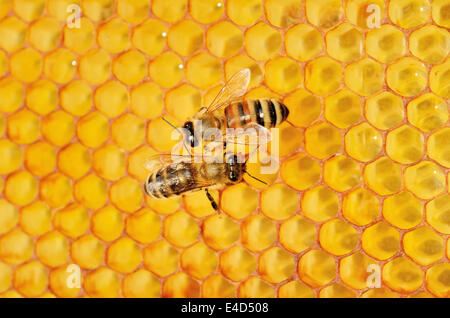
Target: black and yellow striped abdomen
column 265, row 112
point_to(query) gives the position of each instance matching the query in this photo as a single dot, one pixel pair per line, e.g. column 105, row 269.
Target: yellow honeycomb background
column 365, row 155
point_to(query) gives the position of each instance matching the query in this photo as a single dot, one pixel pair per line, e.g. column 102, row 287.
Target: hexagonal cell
column 343, row 109
column 150, row 36
column 262, row 42
column 159, row 134
column 354, row 270
column 300, row 172
column 87, row 252
column 58, row 283
column 284, row 13
column 439, row 83
column 425, row 179
column 383, row 176
column 146, row 100
column 16, row 247
column 295, row 289
column 364, row 77
column 56, row 190
column 92, row 129
column 437, row 279
column 322, row 140
column 405, row 144
column 35, row 219
column 427, row 112
column 45, row 34
column 402, row 275
column 303, row 42
column 341, row 173
column 282, row 75
column 338, row 237
column 143, row 226
column 133, row 11
column 26, row 65
column 324, row 14
column 107, row 223
column 223, row 39
column 30, row 279
column 251, row 235
column 254, row 287
column 379, row 293
column 279, row 202
column 160, row 258
column 407, row 76
column 203, row 70
column 438, row 147
column 128, row 131
column 126, row 194
column 141, row 284
column 22, row 127
column 109, row 162
column 297, row 234
column 186, row 229
column 361, row 207
column 180, row 285
column 215, row 286
column 403, row 210
column 130, row 67
column 81, row 39
column 361, row 12
column 198, row 260
column 28, row 10
column 323, row 76
column 438, row 213
column 12, row 155
column 336, row 291
column 381, row 241
column 72, row 221
column 386, row 44
column 198, row 205
column 74, row 160
column 234, row 65
column 170, row 12
column 244, row 13
column 236, row 263
column 27, row 184
column 42, row 96
column 60, row 66
column 430, row 44
column 76, row 98
column 239, row 201
column 439, row 12
column 98, row 10
column 320, row 204
column 363, row 142
column 292, row 139
column 206, row 11
column 113, row 36
column 276, row 265
column 304, row 108
column 409, row 13
column 95, row 66
column 384, row 110
column 40, row 158
column 14, row 34
column 185, row 37
column 259, row 166
column 345, row 43
column 316, row 268
column 220, row 231
column 166, row 69
column 423, row 245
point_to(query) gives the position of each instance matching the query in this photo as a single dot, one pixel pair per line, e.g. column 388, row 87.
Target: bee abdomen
column 170, row 181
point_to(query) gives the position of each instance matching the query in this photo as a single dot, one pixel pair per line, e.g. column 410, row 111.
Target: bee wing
column 158, row 160
column 234, row 88
column 258, row 135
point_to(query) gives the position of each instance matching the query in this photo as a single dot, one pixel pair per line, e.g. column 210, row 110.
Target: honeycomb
column 364, row 176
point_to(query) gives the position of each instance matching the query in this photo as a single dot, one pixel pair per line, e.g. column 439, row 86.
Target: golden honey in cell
column 226, row 111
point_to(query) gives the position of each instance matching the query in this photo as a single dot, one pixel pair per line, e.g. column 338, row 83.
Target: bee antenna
column 245, row 171
column 178, row 130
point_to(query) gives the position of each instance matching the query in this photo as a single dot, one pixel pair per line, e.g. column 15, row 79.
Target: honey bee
column 227, row 112
column 184, row 176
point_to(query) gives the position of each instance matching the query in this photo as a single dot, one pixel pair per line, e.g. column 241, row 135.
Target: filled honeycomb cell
column 386, row 43
column 403, row 210
column 316, row 268
column 345, row 43
column 45, row 34
column 244, row 13
column 255, row 288
column 141, row 284
column 300, row 165
column 425, row 179
column 324, row 14
column 40, row 158
column 380, row 241
column 283, row 13
column 215, row 286
column 74, row 160
column 343, row 109
column 275, row 265
column 279, row 202
column 113, row 36
column 23, row 127
column 282, row 75
column 364, row 77
column 323, row 75
column 160, row 258
column 430, row 44
column 55, row 190
column 363, row 142
column 220, row 231
column 20, row 188
column 206, row 11
column 30, row 279
column 16, row 247
column 223, row 39
column 384, row 110
column 336, row 291
column 407, row 76
column 437, row 212
column 402, row 275
column 297, row 234
column 427, row 112
column 258, row 233
column 72, row 221
column 130, row 67
column 12, row 156
column 320, row 204
column 58, row 128
column 126, row 195
column 439, row 79
column 423, row 245
column 353, row 270
column 92, row 129
column 9, row 217
column 91, row 191
column 202, row 70
column 26, row 65
column 13, row 33
column 149, row 36
column 186, row 229
column 107, row 223
column 183, row 102
column 101, row 283
column 383, row 176
column 5, row 277
column 304, row 108
column 81, row 39
column 180, row 285
column 76, row 98
column 60, row 66
column 303, row 42
column 58, row 278
column 185, row 37
column 341, row 173
column 439, row 12
column 409, row 13
column 437, row 280
column 322, row 140
column 95, row 66
column 360, row 12
column 87, row 252
column 123, row 255
column 295, row 289
column 262, row 42
column 28, row 10
column 166, row 69
column 52, row 249
column 405, row 144
column 198, row 260
column 41, row 96
column 438, row 147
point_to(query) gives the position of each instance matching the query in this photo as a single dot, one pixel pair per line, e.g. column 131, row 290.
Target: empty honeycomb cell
column 130, row 67
column 72, row 221
column 111, row 98
column 128, row 131
column 76, row 98
column 342, row 173
column 215, row 286
column 430, row 44
column 144, row 226
column 20, row 188
column 403, row 210
column 297, row 234
column 386, row 43
column 345, row 43
column 126, row 194
column 58, row 282
column 60, row 66
column 16, row 247
column 87, row 252
column 354, row 270
column 74, row 160
column 383, row 176
column 320, row 204
column 220, row 232
column 198, row 204
column 409, row 13
column 283, row 13
column 239, row 201
column 9, row 216
column 166, row 69
column 364, row 77
column 282, row 74
column 95, row 66
column 262, row 169
column 206, row 11
column 42, row 96
column 11, row 156
column 52, row 249
column 336, row 291
column 133, row 11
column 407, row 76
column 11, row 93
column 180, row 285
column 384, row 110
column 203, row 70
column 423, row 245
column 180, row 229
column 361, row 12
column 25, row 65
column 275, row 265
column 254, row 287
column 146, row 100
column 12, row 34
column 438, row 147
column 114, row 36
column 402, row 275
column 323, row 76
column 91, row 191
column 439, row 82
column 338, row 237
column 234, row 65
column 279, row 202
column 300, row 172
column 425, row 179
column 169, row 12
column 107, row 223
column 93, row 129
column 439, row 12
column 40, row 158
column 160, row 258
column 109, row 162
column 380, row 241
column 183, row 102
column 363, row 142
column 343, row 109
column 244, row 13
column 81, row 39
column 361, row 207
column 185, row 37
column 55, row 190
column 161, row 136
column 304, row 108
column 45, row 34
column 58, row 128
column 5, row 277
column 102, row 283
column 295, row 289
column 123, row 255
column 316, row 268
column 427, row 112
column 438, row 213
column 222, row 39
column 198, row 261
column 437, row 280
column 379, row 293
column 141, row 284
column 405, row 144
column 258, row 233
column 23, row 127
column 30, row 279
column 303, row 42
column 262, row 42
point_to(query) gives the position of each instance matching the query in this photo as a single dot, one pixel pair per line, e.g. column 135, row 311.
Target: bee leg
column 211, row 199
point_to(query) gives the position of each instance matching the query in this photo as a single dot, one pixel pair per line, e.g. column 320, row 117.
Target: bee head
column 190, row 137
